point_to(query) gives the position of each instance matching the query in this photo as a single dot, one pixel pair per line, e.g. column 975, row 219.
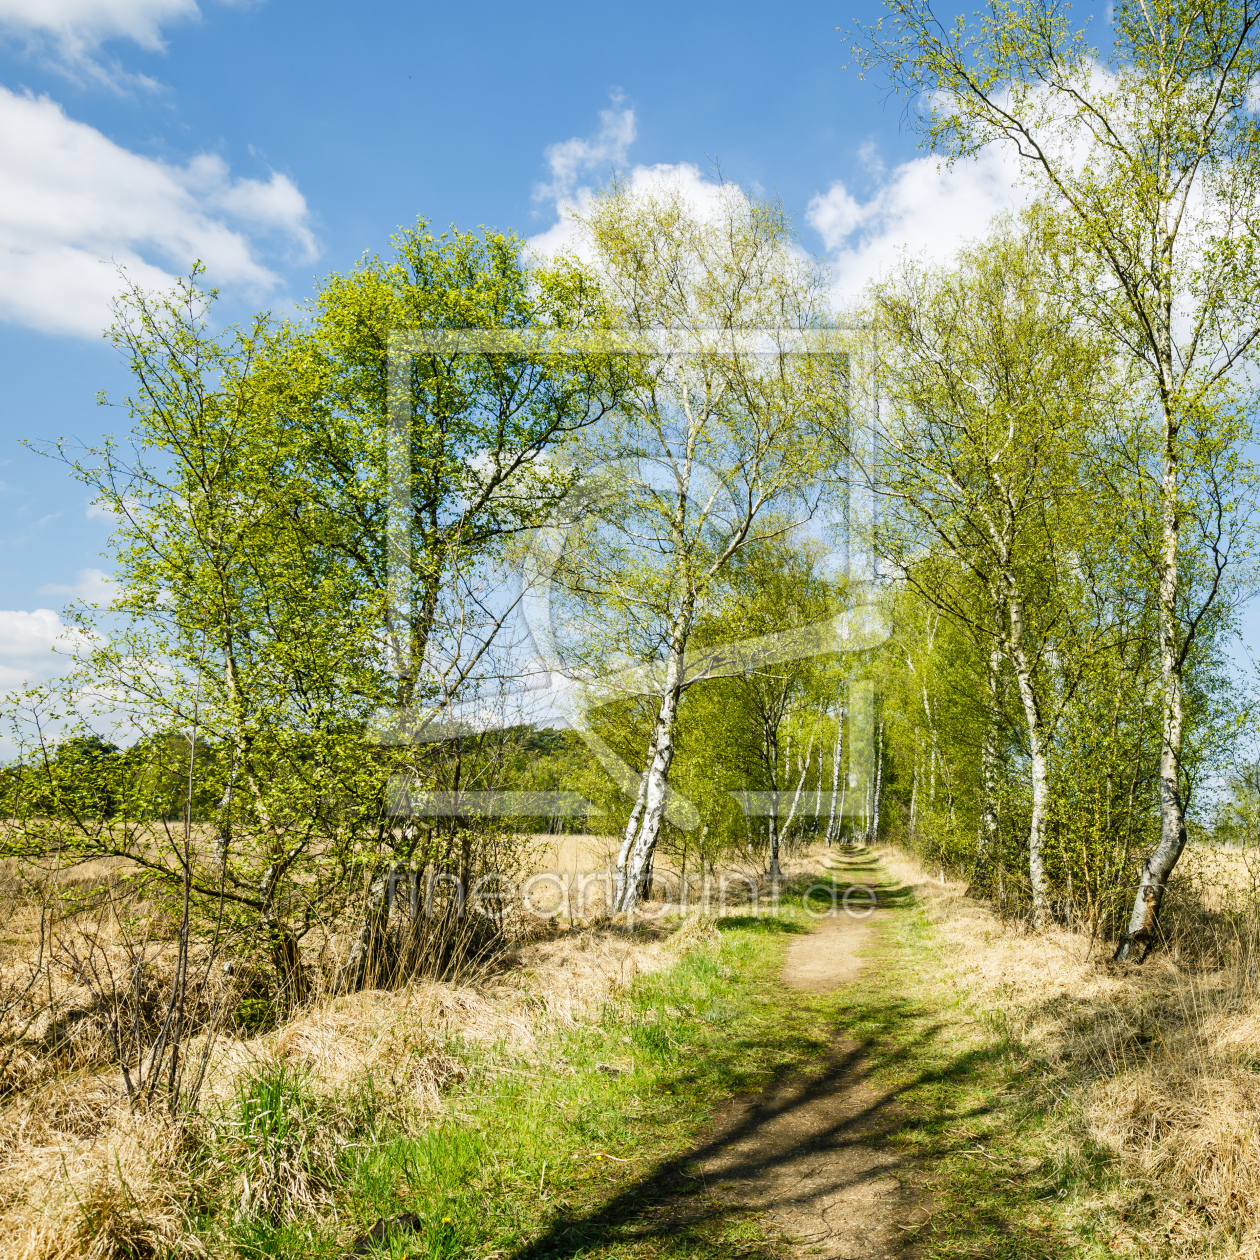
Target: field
column 1028, row 1097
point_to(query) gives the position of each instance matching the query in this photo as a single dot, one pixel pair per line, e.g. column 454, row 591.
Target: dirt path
column 810, row 1152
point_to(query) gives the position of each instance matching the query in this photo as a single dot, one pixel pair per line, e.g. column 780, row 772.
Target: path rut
column 810, row 1153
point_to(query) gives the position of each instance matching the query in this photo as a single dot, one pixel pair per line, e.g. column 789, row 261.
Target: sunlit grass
column 530, row 1145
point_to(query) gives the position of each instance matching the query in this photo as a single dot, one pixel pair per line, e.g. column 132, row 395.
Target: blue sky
column 278, row 141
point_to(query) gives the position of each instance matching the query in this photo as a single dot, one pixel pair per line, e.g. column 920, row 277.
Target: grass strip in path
column 978, row 1136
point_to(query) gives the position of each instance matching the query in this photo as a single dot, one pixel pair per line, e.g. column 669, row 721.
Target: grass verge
column 558, row 1152
column 963, row 1111
column 991, row 1133
column 575, row 1143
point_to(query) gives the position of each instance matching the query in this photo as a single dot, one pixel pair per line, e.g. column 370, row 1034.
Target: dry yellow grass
column 574, row 853
column 1160, row 1063
column 571, row 876
column 593, row 857
column 82, row 1174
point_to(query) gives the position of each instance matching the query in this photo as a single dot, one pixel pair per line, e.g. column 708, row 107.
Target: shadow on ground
column 824, row 1160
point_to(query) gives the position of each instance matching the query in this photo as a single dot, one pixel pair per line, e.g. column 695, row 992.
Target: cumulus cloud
column 699, row 191
column 89, row 22
column 71, row 31
column 34, row 647
column 74, row 206
column 94, row 586
column 920, row 207
column 571, row 159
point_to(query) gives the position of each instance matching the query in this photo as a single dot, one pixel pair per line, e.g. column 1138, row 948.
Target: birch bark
column 986, row 839
column 1037, row 755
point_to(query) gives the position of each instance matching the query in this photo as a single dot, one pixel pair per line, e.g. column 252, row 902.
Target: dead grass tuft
column 85, row 1176
column 82, row 1174
column 1160, row 1062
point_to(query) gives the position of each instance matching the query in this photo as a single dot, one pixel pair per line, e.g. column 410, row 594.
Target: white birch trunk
column 835, row 778
column 1037, row 754
column 986, row 839
column 879, row 782
column 844, row 793
column 632, row 826
column 1156, row 869
column 818, row 791
column 772, row 822
column 809, row 757
column 658, row 768
column 914, row 789
column 653, row 810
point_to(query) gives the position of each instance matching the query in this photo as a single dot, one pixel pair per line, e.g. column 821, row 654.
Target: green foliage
column 1023, row 692
column 254, row 641
column 478, row 424
column 1148, row 161
column 1237, row 818
column 254, row 1015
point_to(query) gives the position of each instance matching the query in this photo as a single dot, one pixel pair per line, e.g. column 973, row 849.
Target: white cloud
column 276, row 204
column 73, row 30
column 95, row 586
column 701, row 193
column 34, row 646
column 571, row 159
column 920, row 207
column 74, row 205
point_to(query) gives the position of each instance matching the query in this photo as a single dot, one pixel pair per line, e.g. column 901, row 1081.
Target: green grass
column 567, row 1152
column 995, row 1152
column 579, row 1149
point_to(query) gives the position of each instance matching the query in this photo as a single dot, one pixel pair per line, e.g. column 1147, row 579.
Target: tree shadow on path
column 809, row 1164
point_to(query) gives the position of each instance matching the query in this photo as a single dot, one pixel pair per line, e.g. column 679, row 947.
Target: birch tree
column 252, row 562
column 989, row 387
column 1149, row 154
column 709, row 439
column 775, row 587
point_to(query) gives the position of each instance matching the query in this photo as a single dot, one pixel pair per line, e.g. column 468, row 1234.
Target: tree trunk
column 914, row 783
column 645, row 886
column 877, row 786
column 772, row 821
column 1156, row 869
column 835, row 777
column 1037, row 753
column 657, row 781
column 363, row 957
column 986, row 838
column 223, row 814
column 654, row 806
column 775, row 873
column 844, row 794
column 632, row 826
column 822, row 756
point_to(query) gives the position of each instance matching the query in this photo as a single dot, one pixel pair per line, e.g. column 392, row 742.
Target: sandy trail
column 810, row 1152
